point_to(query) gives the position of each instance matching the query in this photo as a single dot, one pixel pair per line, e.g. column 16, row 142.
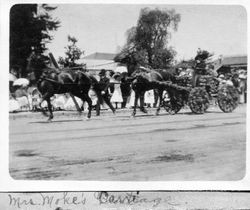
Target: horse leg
column 76, row 104
column 135, row 103
column 107, row 101
column 160, row 102
column 142, row 108
column 44, row 98
column 88, row 99
column 98, row 107
column 29, row 105
column 50, row 109
column 156, row 97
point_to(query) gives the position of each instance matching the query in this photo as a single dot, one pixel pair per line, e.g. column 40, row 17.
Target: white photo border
column 9, row 184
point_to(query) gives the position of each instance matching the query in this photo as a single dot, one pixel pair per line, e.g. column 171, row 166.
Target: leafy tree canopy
column 30, row 26
column 148, row 40
column 72, row 54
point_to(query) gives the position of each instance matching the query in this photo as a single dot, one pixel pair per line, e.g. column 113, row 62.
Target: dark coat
column 104, row 84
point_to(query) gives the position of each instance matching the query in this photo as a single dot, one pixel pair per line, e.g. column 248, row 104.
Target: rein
column 166, row 83
column 50, row 80
column 54, row 81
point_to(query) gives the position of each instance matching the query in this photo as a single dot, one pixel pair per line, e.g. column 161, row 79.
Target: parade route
column 181, row 147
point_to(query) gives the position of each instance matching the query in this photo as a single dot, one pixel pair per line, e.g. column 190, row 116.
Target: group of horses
column 52, row 81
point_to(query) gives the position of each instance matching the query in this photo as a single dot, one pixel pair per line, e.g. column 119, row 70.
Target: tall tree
column 73, row 53
column 30, row 26
column 150, row 36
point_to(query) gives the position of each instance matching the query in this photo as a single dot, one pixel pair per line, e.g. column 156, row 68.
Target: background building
column 227, row 63
column 97, row 61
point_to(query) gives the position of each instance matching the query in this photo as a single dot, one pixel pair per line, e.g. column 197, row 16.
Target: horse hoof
column 144, row 111
column 49, row 120
column 87, row 119
column 45, row 114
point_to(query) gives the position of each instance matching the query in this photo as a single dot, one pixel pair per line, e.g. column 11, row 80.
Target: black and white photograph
column 127, row 92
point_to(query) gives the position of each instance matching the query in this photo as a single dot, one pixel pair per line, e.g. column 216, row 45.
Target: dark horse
column 147, row 79
column 53, row 81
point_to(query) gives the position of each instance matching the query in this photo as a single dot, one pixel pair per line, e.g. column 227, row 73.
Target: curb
column 27, row 114
column 105, row 112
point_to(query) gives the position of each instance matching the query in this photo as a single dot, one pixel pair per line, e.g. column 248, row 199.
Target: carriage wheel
column 206, row 106
column 172, row 109
column 227, row 98
column 198, row 100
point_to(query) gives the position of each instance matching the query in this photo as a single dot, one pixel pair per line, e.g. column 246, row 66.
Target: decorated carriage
column 201, row 89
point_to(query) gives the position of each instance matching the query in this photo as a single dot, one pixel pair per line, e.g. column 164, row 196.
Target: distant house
column 100, row 56
column 97, row 61
column 227, row 63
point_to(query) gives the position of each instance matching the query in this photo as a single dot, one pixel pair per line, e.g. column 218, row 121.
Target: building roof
column 236, row 61
column 100, row 56
column 100, row 64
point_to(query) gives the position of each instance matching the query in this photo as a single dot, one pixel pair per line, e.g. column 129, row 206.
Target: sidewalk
column 104, row 112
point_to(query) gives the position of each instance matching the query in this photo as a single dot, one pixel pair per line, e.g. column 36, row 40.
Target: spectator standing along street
column 117, row 94
column 104, row 84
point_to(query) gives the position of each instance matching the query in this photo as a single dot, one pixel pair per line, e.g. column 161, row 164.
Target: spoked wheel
column 172, row 108
column 198, row 100
column 206, row 107
column 227, row 98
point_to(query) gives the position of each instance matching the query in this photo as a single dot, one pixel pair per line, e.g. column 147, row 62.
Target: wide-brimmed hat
column 242, row 76
column 117, row 76
column 222, row 76
column 102, row 72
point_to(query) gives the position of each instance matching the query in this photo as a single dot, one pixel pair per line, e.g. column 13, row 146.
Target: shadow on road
column 56, row 121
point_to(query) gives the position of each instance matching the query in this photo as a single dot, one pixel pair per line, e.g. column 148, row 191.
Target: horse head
column 137, row 72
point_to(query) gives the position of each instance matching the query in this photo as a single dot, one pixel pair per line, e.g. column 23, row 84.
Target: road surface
column 165, row 147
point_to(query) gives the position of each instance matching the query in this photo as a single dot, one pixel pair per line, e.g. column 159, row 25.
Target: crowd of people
column 238, row 79
column 23, row 97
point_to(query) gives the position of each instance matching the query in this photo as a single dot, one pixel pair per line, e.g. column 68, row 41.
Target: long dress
column 117, row 95
column 132, row 99
column 70, row 105
column 93, row 96
column 23, row 102
column 149, row 97
column 242, row 91
column 59, row 101
column 13, row 105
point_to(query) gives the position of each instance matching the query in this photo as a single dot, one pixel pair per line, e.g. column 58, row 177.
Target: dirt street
column 165, row 147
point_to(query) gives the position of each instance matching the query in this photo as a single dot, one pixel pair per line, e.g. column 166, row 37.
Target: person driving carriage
column 200, row 67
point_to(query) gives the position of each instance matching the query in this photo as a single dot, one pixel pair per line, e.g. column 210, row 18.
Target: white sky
column 101, row 28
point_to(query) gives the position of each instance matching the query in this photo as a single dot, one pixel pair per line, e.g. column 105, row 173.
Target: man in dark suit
column 104, row 85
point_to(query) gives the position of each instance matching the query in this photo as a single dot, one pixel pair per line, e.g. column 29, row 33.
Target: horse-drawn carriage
column 200, row 90
column 196, row 91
